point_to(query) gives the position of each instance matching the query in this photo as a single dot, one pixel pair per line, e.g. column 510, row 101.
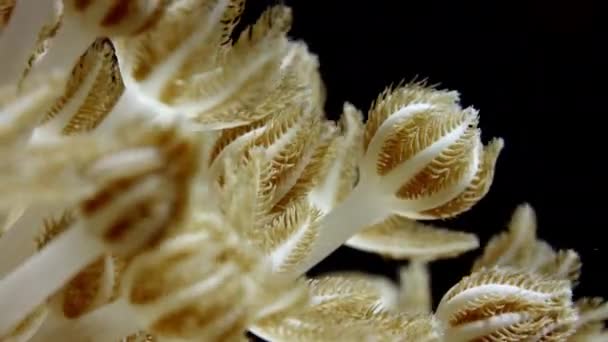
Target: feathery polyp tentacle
column 247, row 73
column 301, row 229
column 338, row 174
column 374, row 291
column 349, row 307
column 201, row 25
column 477, row 188
column 596, row 311
column 374, row 148
column 115, row 17
column 89, row 289
column 19, row 38
column 93, row 89
column 436, row 173
column 84, row 21
column 28, row 328
column 177, row 62
column 520, row 248
column 18, row 243
column 401, row 238
column 480, row 329
column 514, row 246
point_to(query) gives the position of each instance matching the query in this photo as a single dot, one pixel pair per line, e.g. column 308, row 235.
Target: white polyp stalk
column 208, row 103
column 70, row 42
column 134, row 104
column 44, row 273
column 154, row 84
column 18, row 243
column 477, row 329
column 360, row 209
column 111, row 322
column 18, row 39
column 446, row 309
column 324, row 195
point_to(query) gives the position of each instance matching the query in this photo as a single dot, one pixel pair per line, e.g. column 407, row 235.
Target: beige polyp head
column 115, row 17
column 144, row 189
column 423, row 153
column 193, row 285
column 504, row 304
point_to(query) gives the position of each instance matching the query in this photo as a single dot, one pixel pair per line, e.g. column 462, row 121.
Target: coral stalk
column 19, row 38
column 21, row 291
column 356, row 212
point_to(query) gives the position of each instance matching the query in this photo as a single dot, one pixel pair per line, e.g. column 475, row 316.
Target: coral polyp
column 167, row 177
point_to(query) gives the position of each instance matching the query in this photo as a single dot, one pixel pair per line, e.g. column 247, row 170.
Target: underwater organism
column 166, row 177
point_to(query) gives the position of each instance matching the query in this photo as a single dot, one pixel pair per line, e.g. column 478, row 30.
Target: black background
column 534, row 72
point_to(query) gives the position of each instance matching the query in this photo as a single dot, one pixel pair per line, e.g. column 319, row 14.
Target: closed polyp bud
column 424, row 153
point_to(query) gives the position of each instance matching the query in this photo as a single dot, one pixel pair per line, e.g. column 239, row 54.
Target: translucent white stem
column 44, row 273
column 133, row 104
column 70, row 42
column 19, row 37
column 159, row 77
column 359, row 210
column 111, row 322
column 19, row 242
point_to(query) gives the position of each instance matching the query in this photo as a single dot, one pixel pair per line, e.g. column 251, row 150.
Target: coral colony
column 165, row 178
